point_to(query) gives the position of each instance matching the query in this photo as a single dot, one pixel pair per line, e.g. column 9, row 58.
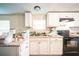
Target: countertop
column 45, row 37
column 48, row 36
column 12, row 44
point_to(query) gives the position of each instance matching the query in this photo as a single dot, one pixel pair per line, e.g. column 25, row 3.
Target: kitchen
column 39, row 29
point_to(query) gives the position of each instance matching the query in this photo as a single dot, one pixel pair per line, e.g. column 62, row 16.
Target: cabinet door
column 59, row 47
column 52, row 47
column 34, row 48
column 52, row 19
column 56, row 47
column 44, row 47
column 28, row 19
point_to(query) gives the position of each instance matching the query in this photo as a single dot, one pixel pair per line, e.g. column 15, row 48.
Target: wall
column 16, row 21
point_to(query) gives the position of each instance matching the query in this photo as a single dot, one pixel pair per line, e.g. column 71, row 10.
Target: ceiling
column 10, row 8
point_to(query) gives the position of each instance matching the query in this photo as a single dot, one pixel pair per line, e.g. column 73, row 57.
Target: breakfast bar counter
column 10, row 49
column 12, row 44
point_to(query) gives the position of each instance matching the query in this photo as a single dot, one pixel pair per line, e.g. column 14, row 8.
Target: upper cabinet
column 55, row 18
column 28, row 19
column 52, row 19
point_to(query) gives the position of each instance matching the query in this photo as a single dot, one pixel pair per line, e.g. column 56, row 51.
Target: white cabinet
column 28, row 19
column 53, row 19
column 34, row 47
column 59, row 45
column 52, row 47
column 56, row 46
column 46, row 46
column 39, row 46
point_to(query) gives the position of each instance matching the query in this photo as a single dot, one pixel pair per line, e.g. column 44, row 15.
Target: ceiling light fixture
column 37, row 8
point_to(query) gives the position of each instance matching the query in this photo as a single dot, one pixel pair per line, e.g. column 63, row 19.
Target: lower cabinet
column 56, row 47
column 9, row 51
column 59, row 48
column 34, row 47
column 52, row 47
column 46, row 46
column 39, row 46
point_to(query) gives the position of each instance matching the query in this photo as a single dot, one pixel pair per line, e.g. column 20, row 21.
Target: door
column 44, row 47
column 34, row 47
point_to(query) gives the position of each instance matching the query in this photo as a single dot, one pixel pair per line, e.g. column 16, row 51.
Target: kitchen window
column 4, row 26
column 39, row 24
